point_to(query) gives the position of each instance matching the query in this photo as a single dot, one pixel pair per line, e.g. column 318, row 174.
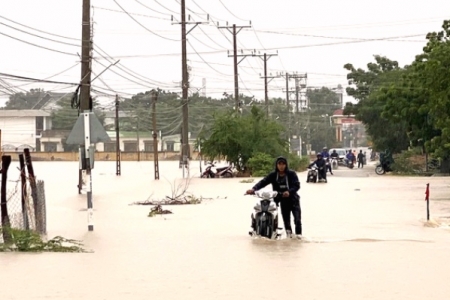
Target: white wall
column 18, row 131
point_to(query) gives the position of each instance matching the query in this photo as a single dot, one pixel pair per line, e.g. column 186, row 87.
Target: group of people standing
column 352, row 157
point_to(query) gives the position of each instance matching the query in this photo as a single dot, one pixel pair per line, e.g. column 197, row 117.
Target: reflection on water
column 366, row 245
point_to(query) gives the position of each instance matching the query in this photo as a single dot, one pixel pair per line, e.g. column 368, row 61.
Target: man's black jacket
column 272, row 178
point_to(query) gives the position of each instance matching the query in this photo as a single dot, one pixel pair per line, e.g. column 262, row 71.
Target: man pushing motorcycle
column 286, row 183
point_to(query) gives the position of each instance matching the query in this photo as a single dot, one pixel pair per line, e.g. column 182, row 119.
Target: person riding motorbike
column 326, row 156
column 286, row 183
column 325, row 153
column 334, row 154
column 350, row 157
column 321, row 165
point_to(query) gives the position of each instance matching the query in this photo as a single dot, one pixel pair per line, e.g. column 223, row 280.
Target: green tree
column 25, row 100
column 238, row 139
column 434, row 69
column 366, row 88
column 64, row 118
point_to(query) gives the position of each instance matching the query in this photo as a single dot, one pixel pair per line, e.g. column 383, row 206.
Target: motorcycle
column 334, row 163
column 383, row 168
column 211, row 171
column 265, row 216
column 385, row 164
column 350, row 164
column 314, row 174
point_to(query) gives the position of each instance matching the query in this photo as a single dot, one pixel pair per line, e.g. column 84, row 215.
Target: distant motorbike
column 383, row 168
column 315, row 174
column 211, row 171
column 265, row 216
column 334, row 163
column 312, row 174
column 350, row 165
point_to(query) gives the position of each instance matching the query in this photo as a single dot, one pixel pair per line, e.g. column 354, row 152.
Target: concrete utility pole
column 155, row 135
column 85, row 100
column 117, row 138
column 234, row 31
column 300, row 97
column 265, row 57
column 185, row 85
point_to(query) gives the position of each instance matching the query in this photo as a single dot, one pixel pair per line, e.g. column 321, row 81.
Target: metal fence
column 24, row 210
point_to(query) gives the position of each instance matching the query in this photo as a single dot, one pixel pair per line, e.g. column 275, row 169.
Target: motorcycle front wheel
column 379, row 170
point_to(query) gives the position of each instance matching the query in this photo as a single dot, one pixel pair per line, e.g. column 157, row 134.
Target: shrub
column 261, row 164
column 298, row 164
column 404, row 164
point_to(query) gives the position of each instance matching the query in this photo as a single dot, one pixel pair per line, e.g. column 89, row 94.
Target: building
column 349, row 131
column 23, row 128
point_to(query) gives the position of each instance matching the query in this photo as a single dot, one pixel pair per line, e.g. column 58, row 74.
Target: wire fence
column 26, row 206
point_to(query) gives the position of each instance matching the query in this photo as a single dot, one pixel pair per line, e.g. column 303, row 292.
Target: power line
column 35, row 45
column 135, row 14
column 152, row 32
column 231, row 12
column 166, row 14
column 165, row 7
column 29, row 27
column 45, row 38
column 37, row 80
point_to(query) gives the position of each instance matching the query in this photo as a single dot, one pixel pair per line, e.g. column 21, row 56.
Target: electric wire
column 38, row 46
column 152, row 32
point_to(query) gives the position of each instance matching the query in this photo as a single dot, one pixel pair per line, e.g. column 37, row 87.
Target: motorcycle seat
column 221, row 169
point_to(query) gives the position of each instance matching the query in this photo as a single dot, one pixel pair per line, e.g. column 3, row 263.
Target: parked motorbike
column 211, row 171
column 265, row 216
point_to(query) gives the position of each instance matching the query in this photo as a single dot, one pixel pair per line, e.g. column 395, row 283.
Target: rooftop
column 23, row 113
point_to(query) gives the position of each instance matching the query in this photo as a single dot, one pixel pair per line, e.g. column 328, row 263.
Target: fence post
column 427, row 198
column 23, row 179
column 41, row 219
column 6, row 161
column 32, row 179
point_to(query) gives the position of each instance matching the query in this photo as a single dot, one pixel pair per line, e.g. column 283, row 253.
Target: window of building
column 170, row 146
column 130, row 146
column 50, row 146
column 148, row 146
column 110, row 147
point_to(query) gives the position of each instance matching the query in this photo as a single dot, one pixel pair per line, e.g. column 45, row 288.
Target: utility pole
column 85, row 99
column 300, row 97
column 117, row 138
column 138, row 139
column 265, row 57
column 185, row 84
column 155, row 135
column 234, row 31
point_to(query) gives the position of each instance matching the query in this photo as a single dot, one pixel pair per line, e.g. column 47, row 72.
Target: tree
column 366, row 88
column 25, row 100
column 433, row 67
column 238, row 139
column 323, row 101
column 64, row 118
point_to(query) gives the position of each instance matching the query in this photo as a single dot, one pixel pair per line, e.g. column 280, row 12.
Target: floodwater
column 366, row 237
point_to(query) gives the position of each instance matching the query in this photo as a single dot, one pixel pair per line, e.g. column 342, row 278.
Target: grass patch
column 29, row 241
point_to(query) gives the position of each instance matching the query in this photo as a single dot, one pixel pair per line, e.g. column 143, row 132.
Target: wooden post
column 155, row 135
column 32, row 178
column 6, row 161
column 23, row 191
column 427, row 198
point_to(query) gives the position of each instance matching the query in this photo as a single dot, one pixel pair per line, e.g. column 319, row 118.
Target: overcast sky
column 313, row 37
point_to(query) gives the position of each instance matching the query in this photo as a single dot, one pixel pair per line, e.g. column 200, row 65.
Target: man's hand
column 250, row 192
column 286, row 194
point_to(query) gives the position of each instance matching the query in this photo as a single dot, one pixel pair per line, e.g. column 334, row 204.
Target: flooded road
column 365, row 238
